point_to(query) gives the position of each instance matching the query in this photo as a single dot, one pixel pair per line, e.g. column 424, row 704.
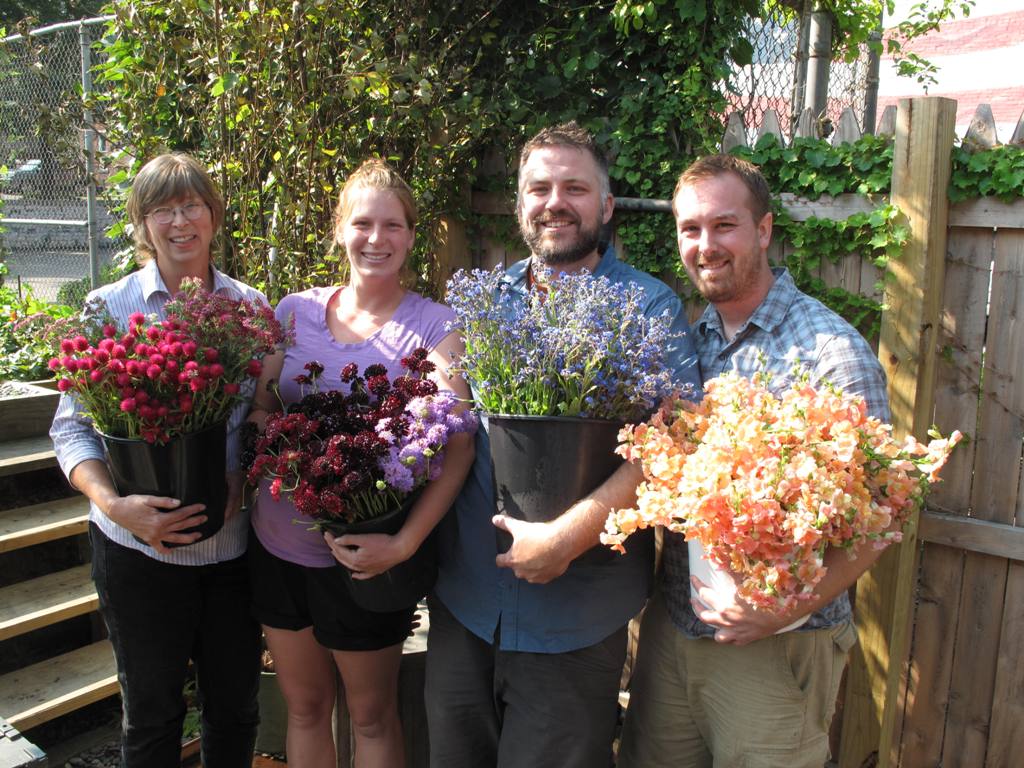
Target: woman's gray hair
column 171, row 176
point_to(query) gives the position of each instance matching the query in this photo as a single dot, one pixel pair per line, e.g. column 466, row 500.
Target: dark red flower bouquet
column 160, row 379
column 345, row 457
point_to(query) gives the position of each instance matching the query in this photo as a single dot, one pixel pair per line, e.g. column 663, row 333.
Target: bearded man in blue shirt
column 526, row 648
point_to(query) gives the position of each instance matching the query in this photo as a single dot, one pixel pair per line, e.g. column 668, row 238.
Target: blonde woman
column 311, row 624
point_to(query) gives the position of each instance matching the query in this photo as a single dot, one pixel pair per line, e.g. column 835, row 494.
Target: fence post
column 908, row 351
column 819, row 59
column 452, row 251
column 88, row 136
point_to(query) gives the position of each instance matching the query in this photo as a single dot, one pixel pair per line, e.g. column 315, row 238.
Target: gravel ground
column 103, row 756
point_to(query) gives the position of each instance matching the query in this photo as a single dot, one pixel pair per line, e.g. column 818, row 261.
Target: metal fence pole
column 871, row 89
column 820, row 57
column 90, row 181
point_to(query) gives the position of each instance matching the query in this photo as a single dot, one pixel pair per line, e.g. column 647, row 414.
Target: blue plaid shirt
column 789, row 330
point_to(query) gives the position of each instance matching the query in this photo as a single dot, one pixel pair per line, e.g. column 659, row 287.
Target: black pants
column 511, row 709
column 159, row 616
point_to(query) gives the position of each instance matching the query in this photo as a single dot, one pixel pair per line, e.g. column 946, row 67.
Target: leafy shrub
column 24, row 351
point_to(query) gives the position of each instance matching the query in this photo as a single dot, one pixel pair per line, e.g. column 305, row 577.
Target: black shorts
column 290, row 596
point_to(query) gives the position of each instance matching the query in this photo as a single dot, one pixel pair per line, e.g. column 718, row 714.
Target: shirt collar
column 151, row 281
column 769, row 314
column 516, row 275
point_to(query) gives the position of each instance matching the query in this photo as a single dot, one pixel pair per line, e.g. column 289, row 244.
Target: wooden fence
column 936, row 679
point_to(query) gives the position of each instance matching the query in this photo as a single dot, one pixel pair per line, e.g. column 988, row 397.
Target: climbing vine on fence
column 876, row 236
column 996, row 172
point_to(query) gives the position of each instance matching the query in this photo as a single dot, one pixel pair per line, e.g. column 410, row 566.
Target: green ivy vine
column 996, row 172
column 877, row 236
column 813, row 167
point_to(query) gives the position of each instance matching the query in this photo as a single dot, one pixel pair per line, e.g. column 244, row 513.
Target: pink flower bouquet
column 160, row 379
column 767, row 483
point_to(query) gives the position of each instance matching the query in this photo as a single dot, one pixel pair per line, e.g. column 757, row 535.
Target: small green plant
column 193, row 714
column 73, row 293
column 24, row 352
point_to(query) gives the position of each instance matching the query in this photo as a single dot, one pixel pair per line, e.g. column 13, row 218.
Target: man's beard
column 586, row 242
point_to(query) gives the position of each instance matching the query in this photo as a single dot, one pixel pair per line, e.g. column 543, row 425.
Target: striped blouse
column 75, row 441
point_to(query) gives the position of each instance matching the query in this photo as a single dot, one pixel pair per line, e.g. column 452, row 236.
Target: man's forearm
column 580, row 527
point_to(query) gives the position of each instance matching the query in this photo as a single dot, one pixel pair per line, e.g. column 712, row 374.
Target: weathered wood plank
column 993, row 497
column 958, row 373
column 30, row 414
column 848, row 130
column 46, row 600
column 989, row 538
column 452, row 252
column 887, row 123
column 843, row 274
column 806, row 125
column 988, row 212
column 825, row 207
column 981, row 133
column 735, row 133
column 25, row 526
column 492, row 254
column 492, row 203
column 1004, row 742
column 26, row 454
column 962, row 338
column 54, row 687
column 645, row 204
column 798, row 208
column 921, row 168
column 1018, row 132
column 1001, row 427
column 770, row 125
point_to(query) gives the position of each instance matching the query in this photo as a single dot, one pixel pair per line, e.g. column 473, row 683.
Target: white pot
column 719, row 579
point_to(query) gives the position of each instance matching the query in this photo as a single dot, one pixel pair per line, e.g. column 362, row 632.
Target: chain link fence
column 54, row 219
column 778, row 75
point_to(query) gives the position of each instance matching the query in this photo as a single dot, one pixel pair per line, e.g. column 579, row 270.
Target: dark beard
column 585, row 244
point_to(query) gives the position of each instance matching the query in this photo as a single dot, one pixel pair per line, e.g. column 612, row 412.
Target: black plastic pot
column 542, row 465
column 190, row 468
column 401, row 586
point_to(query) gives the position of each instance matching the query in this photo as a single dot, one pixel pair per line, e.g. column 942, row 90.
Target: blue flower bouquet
column 557, row 372
column 579, row 346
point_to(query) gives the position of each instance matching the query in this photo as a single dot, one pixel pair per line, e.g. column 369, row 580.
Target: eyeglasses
column 191, row 211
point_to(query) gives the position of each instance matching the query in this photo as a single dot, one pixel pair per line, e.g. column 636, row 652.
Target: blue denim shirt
column 589, row 601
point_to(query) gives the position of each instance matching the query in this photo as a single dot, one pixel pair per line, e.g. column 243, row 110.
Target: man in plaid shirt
column 714, row 683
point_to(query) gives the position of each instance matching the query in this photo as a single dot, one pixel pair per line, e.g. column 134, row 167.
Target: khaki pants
column 701, row 704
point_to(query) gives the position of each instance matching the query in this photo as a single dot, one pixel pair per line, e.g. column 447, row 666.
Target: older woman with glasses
column 164, row 606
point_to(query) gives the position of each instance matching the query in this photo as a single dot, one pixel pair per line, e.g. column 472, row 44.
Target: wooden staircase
column 63, row 683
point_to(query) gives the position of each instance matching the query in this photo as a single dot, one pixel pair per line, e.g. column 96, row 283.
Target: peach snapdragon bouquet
column 767, row 483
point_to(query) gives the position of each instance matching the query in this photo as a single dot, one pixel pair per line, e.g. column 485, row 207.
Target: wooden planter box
column 26, row 410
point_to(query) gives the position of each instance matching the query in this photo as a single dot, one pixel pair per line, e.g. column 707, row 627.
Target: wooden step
column 25, row 526
column 29, row 412
column 46, row 600
column 26, row 454
column 54, row 687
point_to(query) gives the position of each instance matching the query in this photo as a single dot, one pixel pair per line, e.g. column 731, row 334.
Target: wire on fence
column 45, row 213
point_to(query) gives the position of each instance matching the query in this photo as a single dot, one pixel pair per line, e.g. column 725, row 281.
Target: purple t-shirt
column 418, row 322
